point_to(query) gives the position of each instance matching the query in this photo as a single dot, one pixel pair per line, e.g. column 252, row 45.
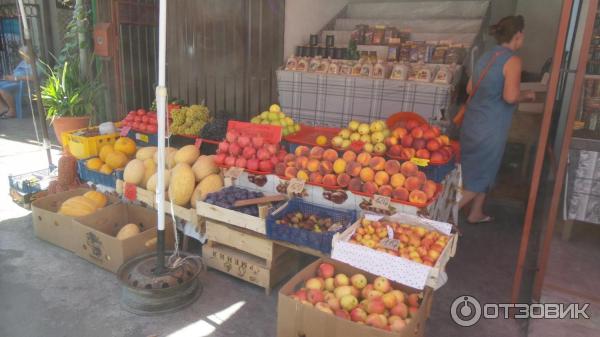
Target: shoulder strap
column 484, row 73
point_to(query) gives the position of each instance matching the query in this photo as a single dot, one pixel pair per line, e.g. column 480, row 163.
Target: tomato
column 152, row 128
column 141, row 112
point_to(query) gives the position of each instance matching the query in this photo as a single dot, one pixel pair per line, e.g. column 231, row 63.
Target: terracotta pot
column 63, row 124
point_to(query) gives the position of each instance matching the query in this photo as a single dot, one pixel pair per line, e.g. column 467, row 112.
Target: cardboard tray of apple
column 332, row 299
column 405, row 248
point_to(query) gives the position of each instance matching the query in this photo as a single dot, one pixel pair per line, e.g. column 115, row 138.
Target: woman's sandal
column 485, row 219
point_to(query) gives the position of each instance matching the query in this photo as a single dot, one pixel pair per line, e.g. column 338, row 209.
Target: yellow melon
column 187, row 154
column 125, row 145
column 94, row 164
column 134, row 172
column 116, row 160
column 145, row 152
column 99, row 198
column 169, row 157
column 104, row 151
column 149, row 170
column 153, row 181
column 105, row 169
column 204, row 166
column 128, row 231
column 182, row 184
column 211, row 183
column 78, row 206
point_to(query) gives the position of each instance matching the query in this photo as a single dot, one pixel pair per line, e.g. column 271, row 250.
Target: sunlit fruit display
column 420, row 140
column 367, row 137
column 274, row 116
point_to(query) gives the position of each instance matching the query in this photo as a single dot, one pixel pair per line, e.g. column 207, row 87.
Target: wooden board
column 232, row 217
column 142, row 195
column 248, row 267
column 187, row 214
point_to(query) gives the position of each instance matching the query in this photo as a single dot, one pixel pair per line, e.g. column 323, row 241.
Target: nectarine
column 385, row 190
column 363, row 158
column 407, row 141
column 330, row 155
column 315, row 177
column 369, row 187
column 412, row 183
column 329, row 180
column 343, row 179
column 377, row 163
column 313, row 165
column 302, row 151
column 408, row 169
column 400, row 193
column 353, row 168
column 290, row 172
column 349, row 156
column 397, row 180
column 355, row 184
column 325, row 167
column 316, row 152
column 367, row 174
column 429, row 188
column 417, row 197
column 381, row 178
column 422, row 153
column 339, row 166
column 302, row 175
column 392, row 167
column 301, row 162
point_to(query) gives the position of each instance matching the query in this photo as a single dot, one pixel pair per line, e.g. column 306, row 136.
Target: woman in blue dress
column 488, row 115
column 10, row 83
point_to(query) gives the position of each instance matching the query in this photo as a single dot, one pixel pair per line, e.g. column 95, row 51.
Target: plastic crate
column 30, row 182
column 308, row 134
column 319, row 241
column 143, row 139
column 438, row 172
column 81, row 146
column 98, row 178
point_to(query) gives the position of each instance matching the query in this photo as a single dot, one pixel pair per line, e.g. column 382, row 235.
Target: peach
column 290, row 157
column 339, row 166
column 301, row 162
column 367, row 174
column 385, row 190
column 413, row 300
column 395, row 150
column 330, row 155
column 408, row 169
column 400, row 193
column 423, row 153
column 355, row 184
column 411, row 124
column 353, row 168
column 397, row 180
column 408, row 152
column 437, row 157
column 290, row 172
column 412, row 183
column 369, row 188
column 422, row 177
column 400, row 133
column 313, row 165
column 349, row 156
column 429, row 134
column 416, row 133
column 280, row 169
column 433, row 145
column 316, row 152
column 302, row 151
column 377, row 163
column 429, row 188
column 363, row 158
column 325, row 167
column 302, row 175
column 436, row 130
column 391, row 141
column 315, row 177
column 343, row 179
column 381, row 178
column 419, row 144
column 417, row 197
column 329, row 180
column 444, row 139
column 407, row 141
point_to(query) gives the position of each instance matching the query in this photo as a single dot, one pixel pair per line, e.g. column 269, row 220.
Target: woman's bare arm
column 470, row 86
column 512, row 80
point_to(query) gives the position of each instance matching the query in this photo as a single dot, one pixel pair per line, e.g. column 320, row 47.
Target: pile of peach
column 353, row 298
column 416, row 243
column 412, row 139
column 359, row 173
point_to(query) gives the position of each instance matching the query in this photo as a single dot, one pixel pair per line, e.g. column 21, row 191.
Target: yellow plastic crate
column 84, row 147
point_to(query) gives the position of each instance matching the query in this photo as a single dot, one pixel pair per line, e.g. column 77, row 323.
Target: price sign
column 141, row 137
column 130, row 191
column 234, row 172
column 390, row 232
column 389, row 243
column 381, row 202
column 420, row 161
column 296, row 186
column 198, row 143
column 125, row 131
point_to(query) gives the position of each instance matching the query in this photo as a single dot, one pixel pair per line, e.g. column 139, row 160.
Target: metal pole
column 161, row 104
column 32, row 60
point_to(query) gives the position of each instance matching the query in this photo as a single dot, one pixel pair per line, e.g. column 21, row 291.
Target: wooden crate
column 187, row 214
column 142, row 195
column 220, row 214
column 248, row 267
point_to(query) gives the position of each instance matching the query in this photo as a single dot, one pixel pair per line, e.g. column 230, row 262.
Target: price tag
column 389, row 243
column 390, row 232
column 420, row 161
column 130, row 191
column 234, row 172
column 296, row 186
column 381, row 202
column 198, row 143
column 373, row 217
column 141, row 137
column 125, row 131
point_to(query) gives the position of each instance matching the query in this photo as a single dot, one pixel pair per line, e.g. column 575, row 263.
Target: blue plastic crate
column 319, row 241
column 437, row 173
column 143, row 139
column 98, row 178
column 30, row 182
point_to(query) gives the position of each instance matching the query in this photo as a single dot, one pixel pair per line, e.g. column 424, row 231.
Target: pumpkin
column 149, row 170
column 212, row 183
column 128, row 231
column 145, row 153
column 125, row 145
column 134, row 172
column 182, row 184
column 169, row 157
column 116, row 160
column 97, row 197
column 151, row 184
column 78, row 206
column 204, row 166
column 187, row 154
column 104, row 151
column 105, row 169
column 94, row 164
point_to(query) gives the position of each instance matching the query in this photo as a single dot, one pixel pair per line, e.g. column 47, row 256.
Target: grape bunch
column 189, row 120
column 216, row 128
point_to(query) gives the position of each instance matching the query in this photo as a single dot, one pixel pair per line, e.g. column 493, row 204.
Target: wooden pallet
column 232, row 217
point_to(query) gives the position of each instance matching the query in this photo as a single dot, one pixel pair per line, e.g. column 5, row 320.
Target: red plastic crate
column 403, row 116
column 245, row 170
column 437, row 194
column 308, row 134
column 271, row 133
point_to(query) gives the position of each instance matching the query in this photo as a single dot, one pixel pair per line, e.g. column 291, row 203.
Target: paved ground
column 47, row 291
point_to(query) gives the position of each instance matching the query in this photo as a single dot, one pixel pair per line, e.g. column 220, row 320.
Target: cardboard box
column 297, row 319
column 95, row 241
column 53, row 227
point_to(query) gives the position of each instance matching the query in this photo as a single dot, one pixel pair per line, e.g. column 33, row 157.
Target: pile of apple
column 416, row 243
column 248, row 152
column 360, row 172
column 366, row 137
column 376, row 304
column 414, row 139
column 141, row 120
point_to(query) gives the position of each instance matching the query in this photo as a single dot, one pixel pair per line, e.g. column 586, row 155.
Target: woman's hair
column 507, row 27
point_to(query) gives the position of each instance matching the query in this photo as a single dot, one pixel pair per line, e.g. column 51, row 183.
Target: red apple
column 326, row 270
column 234, row 149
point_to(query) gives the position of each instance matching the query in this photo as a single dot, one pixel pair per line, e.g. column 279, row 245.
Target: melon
column 94, row 164
column 151, row 184
column 105, row 169
column 211, row 183
column 169, row 157
column 116, row 160
column 149, row 170
column 97, row 197
column 187, row 154
column 104, row 151
column 182, row 184
column 125, row 145
column 78, row 206
column 145, row 153
column 128, row 231
column 134, row 172
column 204, row 166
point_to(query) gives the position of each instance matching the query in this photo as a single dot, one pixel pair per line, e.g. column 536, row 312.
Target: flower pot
column 64, row 124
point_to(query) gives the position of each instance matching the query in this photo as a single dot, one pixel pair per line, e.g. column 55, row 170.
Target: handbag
column 460, row 115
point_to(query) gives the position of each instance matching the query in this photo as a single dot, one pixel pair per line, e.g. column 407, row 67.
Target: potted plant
column 69, row 101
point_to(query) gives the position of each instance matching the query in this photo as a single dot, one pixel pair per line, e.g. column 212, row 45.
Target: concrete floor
column 47, row 291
